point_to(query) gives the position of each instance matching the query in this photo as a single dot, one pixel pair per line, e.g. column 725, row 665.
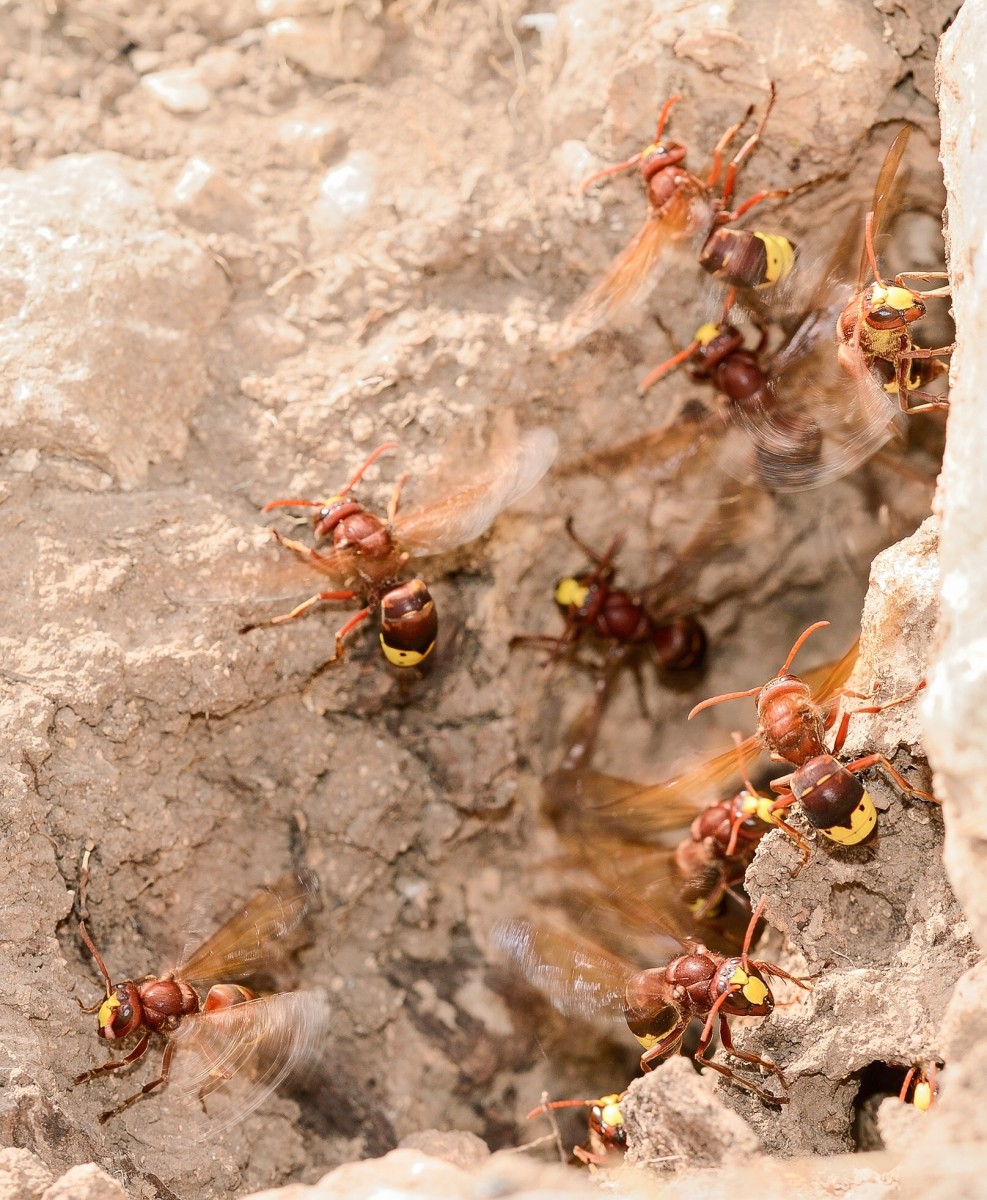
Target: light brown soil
column 181, row 347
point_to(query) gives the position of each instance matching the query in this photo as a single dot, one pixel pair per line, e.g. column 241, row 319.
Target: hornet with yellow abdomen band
column 793, row 727
column 658, row 1004
column 747, row 258
column 369, row 555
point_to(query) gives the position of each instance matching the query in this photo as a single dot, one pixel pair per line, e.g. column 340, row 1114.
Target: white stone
column 311, row 142
column 346, row 192
column 220, row 68
column 345, row 49
column 179, row 90
column 206, row 199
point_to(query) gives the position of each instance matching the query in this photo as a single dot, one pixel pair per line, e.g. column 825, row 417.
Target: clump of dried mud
column 236, row 255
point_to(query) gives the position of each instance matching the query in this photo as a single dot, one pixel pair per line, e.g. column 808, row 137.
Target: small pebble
column 220, row 68
column 179, row 90
column 347, row 49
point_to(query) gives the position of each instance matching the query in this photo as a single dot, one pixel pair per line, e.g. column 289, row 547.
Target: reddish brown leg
column 786, row 801
column 586, row 728
column 133, row 1056
column 713, row 178
column 906, row 392
column 841, row 732
column 169, row 1053
column 704, row 1045
column 755, row 1060
column 671, row 1039
column 588, row 1157
column 767, row 968
column 878, row 760
column 752, row 202
column 544, row 641
column 925, row 276
column 350, row 625
column 300, row 609
column 747, row 147
column 395, row 500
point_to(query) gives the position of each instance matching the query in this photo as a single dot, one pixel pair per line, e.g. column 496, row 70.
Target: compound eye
column 125, row 1013
column 884, row 317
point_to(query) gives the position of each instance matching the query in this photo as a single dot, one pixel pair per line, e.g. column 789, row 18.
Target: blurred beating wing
column 629, row 279
column 244, row 1052
column 468, row 511
column 578, row 977
column 646, row 812
column 250, row 941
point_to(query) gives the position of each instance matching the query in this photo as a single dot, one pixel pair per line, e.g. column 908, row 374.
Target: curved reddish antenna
column 560, row 1104
column 355, row 479
column 98, row 957
column 719, row 699
column 748, row 937
column 668, row 365
column 291, row 504
column 800, row 642
column 635, row 159
column 663, row 115
column 358, row 475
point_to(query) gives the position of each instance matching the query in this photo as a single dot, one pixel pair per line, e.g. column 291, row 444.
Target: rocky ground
column 242, row 244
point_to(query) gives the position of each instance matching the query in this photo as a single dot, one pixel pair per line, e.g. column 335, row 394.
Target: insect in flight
column 793, row 727
column 218, row 1031
column 683, row 209
column 368, row 555
column 587, row 801
column 600, row 820
column 874, row 329
column 785, row 420
column 582, row 979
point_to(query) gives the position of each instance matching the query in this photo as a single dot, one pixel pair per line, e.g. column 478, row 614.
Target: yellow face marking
column 921, row 1098
column 753, row 990
column 107, row 1010
column 863, row 819
column 898, row 297
column 779, row 258
column 610, row 1113
column 753, row 804
column 706, row 333
column 404, row 658
column 570, row 593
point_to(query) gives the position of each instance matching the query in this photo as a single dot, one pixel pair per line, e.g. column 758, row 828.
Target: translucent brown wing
column 814, row 429
column 233, row 1058
column 250, row 941
column 826, row 680
column 632, row 275
column 882, row 194
column 579, row 978
column 662, row 453
column 634, row 898
column 469, row 510
column 647, row 812
column 340, row 565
